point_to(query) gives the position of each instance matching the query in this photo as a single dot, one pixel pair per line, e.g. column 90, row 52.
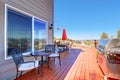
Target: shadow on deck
column 56, row 73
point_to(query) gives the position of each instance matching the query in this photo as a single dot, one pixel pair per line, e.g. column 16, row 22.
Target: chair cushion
column 54, row 55
column 28, row 66
column 59, row 49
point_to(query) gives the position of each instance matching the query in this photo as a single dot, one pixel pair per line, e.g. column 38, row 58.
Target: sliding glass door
column 19, row 31
column 24, row 31
column 39, row 34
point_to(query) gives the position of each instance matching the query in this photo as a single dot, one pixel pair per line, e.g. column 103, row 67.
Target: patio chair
column 21, row 65
column 54, row 53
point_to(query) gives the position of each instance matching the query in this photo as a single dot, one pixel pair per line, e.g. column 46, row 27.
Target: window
column 39, row 34
column 23, row 31
column 19, row 31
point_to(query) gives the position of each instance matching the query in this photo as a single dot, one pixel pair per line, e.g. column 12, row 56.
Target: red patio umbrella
column 64, row 36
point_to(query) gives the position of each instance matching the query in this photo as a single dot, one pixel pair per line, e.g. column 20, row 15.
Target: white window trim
column 33, row 34
column 5, row 29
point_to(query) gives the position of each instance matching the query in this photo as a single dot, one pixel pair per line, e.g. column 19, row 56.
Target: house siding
column 43, row 9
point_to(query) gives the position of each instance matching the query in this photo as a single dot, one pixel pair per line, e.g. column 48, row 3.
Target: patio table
column 40, row 54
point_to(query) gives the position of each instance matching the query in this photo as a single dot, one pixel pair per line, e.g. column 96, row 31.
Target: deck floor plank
column 88, row 68
column 77, row 64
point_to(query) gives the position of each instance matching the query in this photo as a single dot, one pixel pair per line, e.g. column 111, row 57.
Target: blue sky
column 86, row 19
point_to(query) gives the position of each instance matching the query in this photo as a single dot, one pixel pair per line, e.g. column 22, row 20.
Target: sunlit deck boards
column 76, row 65
column 85, row 67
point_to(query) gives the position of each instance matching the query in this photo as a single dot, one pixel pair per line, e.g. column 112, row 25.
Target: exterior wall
column 42, row 9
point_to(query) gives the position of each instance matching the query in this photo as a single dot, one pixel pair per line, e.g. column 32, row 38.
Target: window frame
column 6, row 57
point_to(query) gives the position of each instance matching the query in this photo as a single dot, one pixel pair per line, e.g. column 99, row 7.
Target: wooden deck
column 77, row 64
column 85, row 67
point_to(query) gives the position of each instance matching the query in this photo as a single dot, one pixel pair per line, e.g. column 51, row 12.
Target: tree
column 104, row 35
column 111, row 37
column 118, row 33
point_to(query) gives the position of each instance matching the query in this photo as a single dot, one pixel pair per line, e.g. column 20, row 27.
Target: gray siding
column 42, row 9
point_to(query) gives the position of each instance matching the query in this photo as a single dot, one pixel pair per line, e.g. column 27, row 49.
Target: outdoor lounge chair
column 54, row 53
column 21, row 65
